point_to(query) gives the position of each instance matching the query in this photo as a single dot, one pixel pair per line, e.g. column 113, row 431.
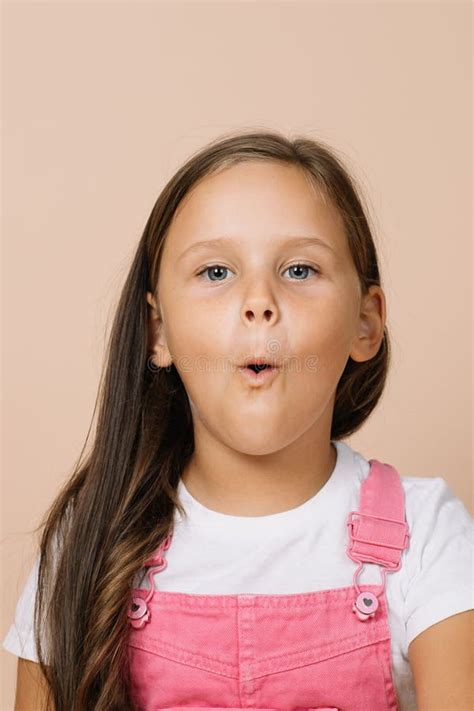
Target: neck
column 238, row 484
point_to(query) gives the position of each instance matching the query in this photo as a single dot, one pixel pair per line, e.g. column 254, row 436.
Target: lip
column 260, row 360
column 263, row 377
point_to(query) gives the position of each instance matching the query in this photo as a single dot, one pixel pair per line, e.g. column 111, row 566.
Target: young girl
column 221, row 546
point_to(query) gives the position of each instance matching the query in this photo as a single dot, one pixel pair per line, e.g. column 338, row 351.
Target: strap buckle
column 401, row 536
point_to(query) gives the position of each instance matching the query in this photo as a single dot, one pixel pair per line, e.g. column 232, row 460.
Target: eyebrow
column 229, row 242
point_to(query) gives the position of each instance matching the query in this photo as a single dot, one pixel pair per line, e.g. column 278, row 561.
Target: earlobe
column 159, row 355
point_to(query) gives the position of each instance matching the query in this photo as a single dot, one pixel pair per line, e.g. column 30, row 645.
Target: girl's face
column 220, row 302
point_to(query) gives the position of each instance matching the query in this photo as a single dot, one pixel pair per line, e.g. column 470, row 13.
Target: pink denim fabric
column 317, row 651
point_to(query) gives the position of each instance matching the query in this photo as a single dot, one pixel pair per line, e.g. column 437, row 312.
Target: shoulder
column 418, row 487
column 424, row 496
column 438, row 578
column 433, row 511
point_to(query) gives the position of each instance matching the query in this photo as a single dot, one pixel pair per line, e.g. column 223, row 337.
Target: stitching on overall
column 254, row 668
column 318, row 654
column 239, row 646
column 356, row 641
column 311, row 661
column 246, row 659
column 315, row 598
column 377, row 627
column 198, row 661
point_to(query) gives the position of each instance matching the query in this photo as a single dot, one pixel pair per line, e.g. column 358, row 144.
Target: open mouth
column 258, row 367
column 259, row 373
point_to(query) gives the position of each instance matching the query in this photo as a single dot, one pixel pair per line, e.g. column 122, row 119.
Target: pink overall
column 316, row 651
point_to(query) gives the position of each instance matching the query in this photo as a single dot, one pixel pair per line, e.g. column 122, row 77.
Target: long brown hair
column 119, row 502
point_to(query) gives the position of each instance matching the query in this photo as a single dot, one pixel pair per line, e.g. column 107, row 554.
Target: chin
column 255, row 449
column 256, row 441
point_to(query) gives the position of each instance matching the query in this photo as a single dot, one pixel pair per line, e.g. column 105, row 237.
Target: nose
column 259, row 309
column 258, row 302
column 255, row 314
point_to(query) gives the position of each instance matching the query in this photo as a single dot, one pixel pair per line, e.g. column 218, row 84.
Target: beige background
column 102, row 101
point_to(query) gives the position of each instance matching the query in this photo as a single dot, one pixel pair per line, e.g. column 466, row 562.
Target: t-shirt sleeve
column 440, row 582
column 20, row 637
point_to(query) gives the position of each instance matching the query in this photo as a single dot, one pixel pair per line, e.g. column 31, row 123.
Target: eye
column 303, row 267
column 213, row 268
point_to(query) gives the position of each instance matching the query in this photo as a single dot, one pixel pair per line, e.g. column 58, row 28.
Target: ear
column 157, row 347
column 371, row 325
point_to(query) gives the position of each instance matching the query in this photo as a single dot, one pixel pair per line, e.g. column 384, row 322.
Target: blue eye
column 301, row 266
column 213, row 268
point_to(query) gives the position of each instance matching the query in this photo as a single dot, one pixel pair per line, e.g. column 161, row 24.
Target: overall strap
column 378, row 531
column 158, row 558
column 138, row 610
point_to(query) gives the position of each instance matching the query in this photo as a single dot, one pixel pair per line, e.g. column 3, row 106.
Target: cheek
column 323, row 333
column 199, row 333
column 203, row 353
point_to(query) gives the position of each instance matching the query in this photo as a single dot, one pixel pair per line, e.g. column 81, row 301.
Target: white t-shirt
column 304, row 550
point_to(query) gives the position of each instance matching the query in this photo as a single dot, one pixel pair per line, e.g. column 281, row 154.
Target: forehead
column 254, row 201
